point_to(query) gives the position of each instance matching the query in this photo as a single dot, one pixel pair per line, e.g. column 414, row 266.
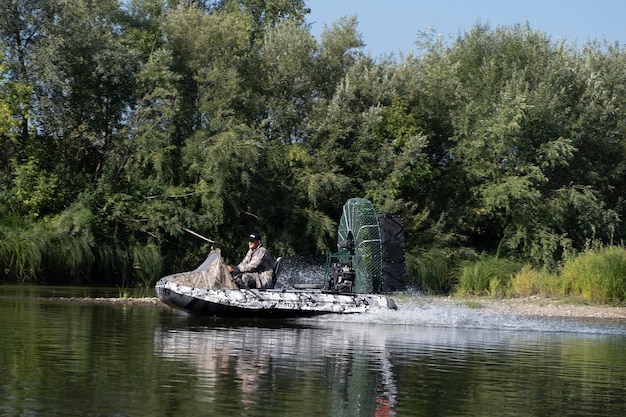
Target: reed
column 20, row 258
column 598, row 275
column 431, row 271
column 529, row 281
column 112, row 263
column 128, row 266
column 70, row 256
column 65, row 247
column 39, row 252
column 56, row 246
column 489, row 275
column 147, row 264
column 70, row 249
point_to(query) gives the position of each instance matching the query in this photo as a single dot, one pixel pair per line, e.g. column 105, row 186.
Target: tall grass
column 21, row 255
column 147, row 264
column 431, row 270
column 70, row 246
column 128, row 266
column 529, row 281
column 38, row 253
column 70, row 256
column 598, row 275
column 490, row 275
column 435, row 270
column 112, row 263
column 64, row 249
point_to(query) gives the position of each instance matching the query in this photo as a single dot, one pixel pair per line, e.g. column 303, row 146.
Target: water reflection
column 384, row 369
column 67, row 358
column 356, row 374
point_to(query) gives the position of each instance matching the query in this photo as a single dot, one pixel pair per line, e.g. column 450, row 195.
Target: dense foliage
column 121, row 124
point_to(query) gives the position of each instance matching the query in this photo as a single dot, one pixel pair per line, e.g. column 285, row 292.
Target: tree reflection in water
column 272, row 367
column 340, row 366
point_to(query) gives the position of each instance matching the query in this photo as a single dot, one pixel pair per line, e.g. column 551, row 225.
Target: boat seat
column 276, row 270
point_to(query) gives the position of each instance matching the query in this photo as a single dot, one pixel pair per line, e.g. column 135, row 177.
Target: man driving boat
column 255, row 270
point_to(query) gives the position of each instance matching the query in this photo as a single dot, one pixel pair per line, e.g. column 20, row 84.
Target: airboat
column 368, row 265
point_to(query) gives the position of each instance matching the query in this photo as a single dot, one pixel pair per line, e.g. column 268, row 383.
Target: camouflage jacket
column 257, row 260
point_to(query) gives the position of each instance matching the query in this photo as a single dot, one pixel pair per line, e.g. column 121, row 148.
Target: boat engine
column 341, row 274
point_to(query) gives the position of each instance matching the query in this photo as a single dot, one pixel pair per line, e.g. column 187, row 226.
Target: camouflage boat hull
column 268, row 303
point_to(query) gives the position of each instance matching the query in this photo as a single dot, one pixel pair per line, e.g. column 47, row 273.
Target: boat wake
column 415, row 309
column 424, row 312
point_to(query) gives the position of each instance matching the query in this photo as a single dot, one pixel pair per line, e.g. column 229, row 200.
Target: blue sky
column 391, row 26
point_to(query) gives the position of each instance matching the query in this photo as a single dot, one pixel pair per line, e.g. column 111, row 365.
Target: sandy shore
column 529, row 307
column 533, row 306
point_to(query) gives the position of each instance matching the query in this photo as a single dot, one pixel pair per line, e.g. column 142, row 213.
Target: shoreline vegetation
column 125, row 124
column 590, row 285
column 520, row 306
column 596, row 276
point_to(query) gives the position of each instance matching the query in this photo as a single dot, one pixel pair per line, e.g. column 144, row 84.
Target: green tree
column 287, row 69
column 72, row 57
column 266, row 14
column 14, row 99
column 21, row 29
column 504, row 163
column 598, row 123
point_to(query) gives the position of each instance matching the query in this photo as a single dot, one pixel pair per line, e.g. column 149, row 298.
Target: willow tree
column 598, row 122
column 507, row 155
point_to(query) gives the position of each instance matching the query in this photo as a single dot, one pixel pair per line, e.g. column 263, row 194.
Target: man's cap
column 254, row 236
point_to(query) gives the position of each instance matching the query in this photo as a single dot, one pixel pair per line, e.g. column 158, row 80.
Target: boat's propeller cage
column 370, row 258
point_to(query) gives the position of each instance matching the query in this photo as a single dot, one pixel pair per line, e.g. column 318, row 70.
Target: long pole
column 198, row 235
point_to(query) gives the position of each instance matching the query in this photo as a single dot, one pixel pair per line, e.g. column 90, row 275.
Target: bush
column 433, row 270
column 597, row 275
column 147, row 264
column 529, row 281
column 489, row 275
column 64, row 249
column 21, row 254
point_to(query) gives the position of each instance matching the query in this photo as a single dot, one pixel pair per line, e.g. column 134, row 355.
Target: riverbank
column 528, row 307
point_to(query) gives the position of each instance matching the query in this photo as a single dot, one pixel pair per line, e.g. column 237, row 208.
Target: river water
column 68, row 357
